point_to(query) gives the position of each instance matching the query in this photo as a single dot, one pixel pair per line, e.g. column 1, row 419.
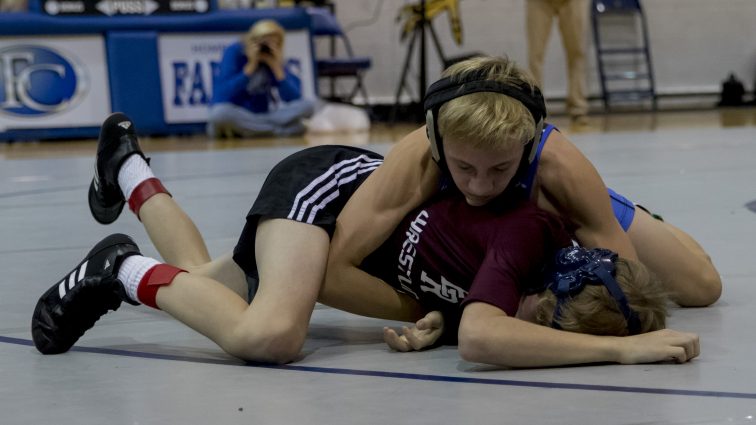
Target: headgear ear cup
column 438, row 94
column 430, row 130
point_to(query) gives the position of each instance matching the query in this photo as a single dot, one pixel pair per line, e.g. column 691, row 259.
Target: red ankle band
column 144, row 191
column 160, row 275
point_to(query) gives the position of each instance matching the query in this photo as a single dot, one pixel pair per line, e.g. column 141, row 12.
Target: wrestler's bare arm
column 407, row 177
column 570, row 186
column 487, row 335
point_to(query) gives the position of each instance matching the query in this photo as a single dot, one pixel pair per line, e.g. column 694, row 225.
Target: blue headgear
column 575, row 267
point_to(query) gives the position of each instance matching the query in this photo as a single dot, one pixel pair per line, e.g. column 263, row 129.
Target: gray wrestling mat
column 139, row 366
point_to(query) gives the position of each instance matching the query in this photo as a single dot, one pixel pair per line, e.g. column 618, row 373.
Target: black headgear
column 453, row 87
column 575, row 267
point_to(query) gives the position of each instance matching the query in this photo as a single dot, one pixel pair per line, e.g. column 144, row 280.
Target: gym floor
column 139, row 366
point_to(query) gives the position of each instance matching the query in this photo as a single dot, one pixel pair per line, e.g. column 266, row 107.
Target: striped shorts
column 311, row 186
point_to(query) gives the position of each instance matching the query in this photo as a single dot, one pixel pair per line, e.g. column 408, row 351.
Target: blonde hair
column 487, row 120
column 594, row 310
column 263, row 28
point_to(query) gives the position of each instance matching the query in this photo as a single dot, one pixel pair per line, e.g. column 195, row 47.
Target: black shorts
column 311, row 186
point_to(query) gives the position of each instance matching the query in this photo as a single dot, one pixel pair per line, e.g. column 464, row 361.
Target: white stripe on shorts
column 364, row 169
column 338, row 174
column 332, row 187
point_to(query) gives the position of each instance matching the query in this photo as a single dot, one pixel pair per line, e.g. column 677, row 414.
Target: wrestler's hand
column 424, row 334
column 658, row 346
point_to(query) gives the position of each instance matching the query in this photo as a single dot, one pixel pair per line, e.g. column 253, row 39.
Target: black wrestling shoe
column 118, row 141
column 73, row 305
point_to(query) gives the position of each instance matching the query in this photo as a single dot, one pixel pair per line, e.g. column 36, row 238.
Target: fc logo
column 37, row 81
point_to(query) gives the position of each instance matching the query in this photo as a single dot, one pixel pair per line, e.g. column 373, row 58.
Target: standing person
column 572, row 16
column 282, row 254
column 486, row 136
column 255, row 93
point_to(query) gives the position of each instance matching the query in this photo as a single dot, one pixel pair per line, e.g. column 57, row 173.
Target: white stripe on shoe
column 82, row 269
column 75, row 277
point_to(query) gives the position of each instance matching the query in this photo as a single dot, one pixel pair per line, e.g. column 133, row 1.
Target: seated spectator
column 254, row 92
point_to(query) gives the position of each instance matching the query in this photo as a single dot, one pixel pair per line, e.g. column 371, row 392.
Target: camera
column 264, row 48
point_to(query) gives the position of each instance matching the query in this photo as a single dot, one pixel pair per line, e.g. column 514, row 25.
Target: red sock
column 156, row 277
column 144, row 191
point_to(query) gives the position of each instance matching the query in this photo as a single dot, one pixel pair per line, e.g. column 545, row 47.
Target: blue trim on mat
column 401, row 375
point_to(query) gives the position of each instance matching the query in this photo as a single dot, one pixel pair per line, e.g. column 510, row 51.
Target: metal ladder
column 625, row 67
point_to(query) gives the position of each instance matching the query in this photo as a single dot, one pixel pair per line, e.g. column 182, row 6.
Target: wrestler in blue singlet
column 624, row 209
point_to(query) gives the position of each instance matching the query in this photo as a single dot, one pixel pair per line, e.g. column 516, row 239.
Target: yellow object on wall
column 411, row 15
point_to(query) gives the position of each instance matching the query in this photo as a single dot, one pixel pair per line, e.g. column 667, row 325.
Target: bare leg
column 225, row 270
column 291, row 259
column 172, row 231
column 684, row 267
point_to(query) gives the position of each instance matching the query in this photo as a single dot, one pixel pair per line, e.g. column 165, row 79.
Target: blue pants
column 284, row 121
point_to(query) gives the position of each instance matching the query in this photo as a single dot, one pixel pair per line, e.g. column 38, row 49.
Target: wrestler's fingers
column 423, row 339
column 678, row 354
column 696, row 347
column 395, row 341
column 423, row 324
column 411, row 335
column 432, row 320
column 692, row 346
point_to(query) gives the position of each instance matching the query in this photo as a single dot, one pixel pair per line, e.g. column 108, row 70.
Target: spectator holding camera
column 254, row 92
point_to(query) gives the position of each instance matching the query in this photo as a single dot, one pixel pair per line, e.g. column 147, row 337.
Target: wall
column 694, row 43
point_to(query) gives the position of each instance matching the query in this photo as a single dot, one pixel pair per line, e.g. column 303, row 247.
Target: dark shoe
column 73, row 305
column 118, row 141
column 656, row 216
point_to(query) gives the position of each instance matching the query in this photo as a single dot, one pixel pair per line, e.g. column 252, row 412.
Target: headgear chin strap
column 450, row 88
column 576, row 267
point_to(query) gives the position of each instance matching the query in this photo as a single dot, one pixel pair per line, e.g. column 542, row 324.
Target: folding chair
column 333, row 67
column 624, row 65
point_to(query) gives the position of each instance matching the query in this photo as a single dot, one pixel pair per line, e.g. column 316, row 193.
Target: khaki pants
column 573, row 17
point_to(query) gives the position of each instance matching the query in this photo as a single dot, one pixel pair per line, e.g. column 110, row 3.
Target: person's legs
column 288, row 258
column 286, row 255
column 224, row 269
column 173, row 233
column 681, row 263
column 573, row 17
column 289, row 117
column 124, row 176
column 284, row 121
column 292, row 112
column 227, row 118
column 291, row 259
column 539, row 16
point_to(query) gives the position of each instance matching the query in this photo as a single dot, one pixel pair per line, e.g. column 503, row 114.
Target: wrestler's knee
column 704, row 289
column 711, row 286
column 279, row 342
